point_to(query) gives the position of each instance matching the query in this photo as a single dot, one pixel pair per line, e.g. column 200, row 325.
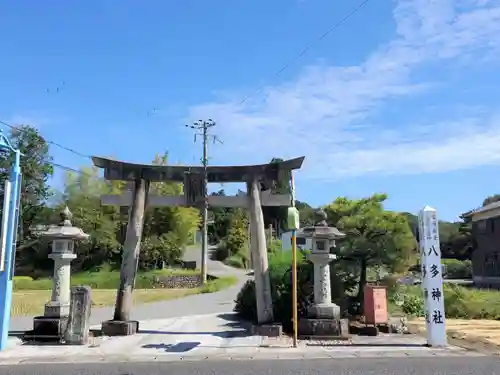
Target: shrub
column 281, row 289
column 457, row 269
column 235, row 244
column 281, row 294
column 391, row 283
column 413, row 305
column 237, row 237
column 470, row 303
column 274, row 247
column 460, row 302
column 221, row 253
column 237, row 261
column 245, row 302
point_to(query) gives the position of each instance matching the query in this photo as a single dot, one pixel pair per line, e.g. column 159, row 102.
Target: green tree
column 235, row 244
column 36, row 167
column 221, row 217
column 455, row 238
column 374, row 237
column 237, row 238
column 306, row 213
column 82, row 194
column 491, row 199
column 167, row 230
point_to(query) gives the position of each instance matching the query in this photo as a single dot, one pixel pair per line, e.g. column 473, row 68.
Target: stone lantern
column 53, row 323
column 323, row 317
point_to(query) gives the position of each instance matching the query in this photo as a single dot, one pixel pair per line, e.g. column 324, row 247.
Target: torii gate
column 255, row 176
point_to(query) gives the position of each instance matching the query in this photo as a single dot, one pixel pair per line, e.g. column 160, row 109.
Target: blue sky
column 402, row 98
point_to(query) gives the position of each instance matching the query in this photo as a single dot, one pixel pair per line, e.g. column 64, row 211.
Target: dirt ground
column 475, row 334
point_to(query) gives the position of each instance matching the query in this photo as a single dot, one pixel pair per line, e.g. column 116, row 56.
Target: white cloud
column 328, row 113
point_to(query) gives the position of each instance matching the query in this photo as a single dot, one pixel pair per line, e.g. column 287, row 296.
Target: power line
column 309, row 47
column 68, row 169
column 48, row 141
column 54, row 164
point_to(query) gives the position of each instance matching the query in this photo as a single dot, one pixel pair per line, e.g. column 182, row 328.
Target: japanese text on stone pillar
column 432, row 278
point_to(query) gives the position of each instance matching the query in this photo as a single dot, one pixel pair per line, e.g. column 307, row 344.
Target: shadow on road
column 181, row 347
column 18, row 334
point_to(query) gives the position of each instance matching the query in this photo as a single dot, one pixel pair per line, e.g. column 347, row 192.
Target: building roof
column 488, row 207
column 124, row 171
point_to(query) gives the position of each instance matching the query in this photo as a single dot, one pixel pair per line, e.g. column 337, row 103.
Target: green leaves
column 36, row 168
column 374, row 237
column 373, row 234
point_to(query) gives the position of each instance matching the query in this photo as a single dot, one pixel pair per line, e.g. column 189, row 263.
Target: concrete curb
column 268, row 355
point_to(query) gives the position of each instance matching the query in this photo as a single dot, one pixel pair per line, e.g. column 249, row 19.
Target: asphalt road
column 362, row 366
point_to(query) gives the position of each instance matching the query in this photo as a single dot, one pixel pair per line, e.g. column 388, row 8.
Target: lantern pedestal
column 53, row 324
column 323, row 317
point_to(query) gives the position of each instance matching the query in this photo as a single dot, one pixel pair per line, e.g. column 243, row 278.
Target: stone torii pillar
column 258, row 252
column 121, row 324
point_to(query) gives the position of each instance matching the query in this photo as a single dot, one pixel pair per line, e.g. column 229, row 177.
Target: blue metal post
column 10, row 248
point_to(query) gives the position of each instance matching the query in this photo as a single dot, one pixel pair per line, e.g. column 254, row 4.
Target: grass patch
column 102, row 279
column 460, row 302
column 235, row 261
column 31, row 302
column 218, row 284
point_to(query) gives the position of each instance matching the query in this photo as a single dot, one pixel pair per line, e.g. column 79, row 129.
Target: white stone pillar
column 432, row 283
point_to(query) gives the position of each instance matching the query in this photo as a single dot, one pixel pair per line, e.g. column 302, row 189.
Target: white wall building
column 302, row 242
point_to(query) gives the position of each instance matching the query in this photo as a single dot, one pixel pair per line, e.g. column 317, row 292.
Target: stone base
column 120, row 328
column 334, row 328
column 54, row 308
column 324, row 311
column 48, row 328
column 268, row 330
column 369, row 331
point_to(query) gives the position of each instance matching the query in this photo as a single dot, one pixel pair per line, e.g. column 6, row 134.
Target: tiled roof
column 486, row 208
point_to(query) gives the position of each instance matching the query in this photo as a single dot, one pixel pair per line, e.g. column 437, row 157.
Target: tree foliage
column 82, row 194
column 374, row 236
column 221, row 217
column 36, row 170
column 491, row 199
column 306, row 213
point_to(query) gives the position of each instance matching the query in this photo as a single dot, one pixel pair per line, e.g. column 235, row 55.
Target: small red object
column 375, row 305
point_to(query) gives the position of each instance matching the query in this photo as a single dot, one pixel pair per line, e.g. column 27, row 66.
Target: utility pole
column 201, row 127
